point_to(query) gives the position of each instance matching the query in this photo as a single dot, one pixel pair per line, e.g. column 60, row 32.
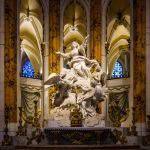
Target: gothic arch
column 63, row 5
column 105, row 5
column 118, row 50
column 40, row 25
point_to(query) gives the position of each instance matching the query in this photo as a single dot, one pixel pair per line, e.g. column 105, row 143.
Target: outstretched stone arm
column 64, row 55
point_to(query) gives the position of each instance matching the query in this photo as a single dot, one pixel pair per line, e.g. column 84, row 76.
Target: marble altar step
column 78, row 147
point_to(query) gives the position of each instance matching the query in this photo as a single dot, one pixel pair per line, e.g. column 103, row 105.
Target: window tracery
column 27, row 69
column 117, row 71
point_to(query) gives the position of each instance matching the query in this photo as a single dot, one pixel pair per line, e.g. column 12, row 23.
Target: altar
column 80, row 90
column 79, row 136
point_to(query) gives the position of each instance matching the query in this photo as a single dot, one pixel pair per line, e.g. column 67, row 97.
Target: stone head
column 75, row 44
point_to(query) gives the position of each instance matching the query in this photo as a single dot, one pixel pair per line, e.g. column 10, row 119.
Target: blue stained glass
column 118, row 70
column 27, row 69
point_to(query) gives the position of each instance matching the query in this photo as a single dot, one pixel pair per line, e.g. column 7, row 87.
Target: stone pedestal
column 95, row 121
column 134, row 140
column 19, row 140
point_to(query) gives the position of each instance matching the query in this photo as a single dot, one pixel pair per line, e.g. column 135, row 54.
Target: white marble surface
column 81, row 85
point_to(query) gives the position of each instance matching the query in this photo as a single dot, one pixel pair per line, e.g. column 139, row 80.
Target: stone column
column 54, row 38
column 10, row 57
column 2, row 68
column 95, row 33
column 18, row 57
column 147, row 57
column 139, row 56
column 45, row 101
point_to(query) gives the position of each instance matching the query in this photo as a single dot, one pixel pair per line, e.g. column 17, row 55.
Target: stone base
column 134, row 140
column 1, row 136
column 19, row 140
column 95, row 121
column 75, row 147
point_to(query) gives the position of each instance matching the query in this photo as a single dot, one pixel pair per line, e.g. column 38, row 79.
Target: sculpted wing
column 53, row 79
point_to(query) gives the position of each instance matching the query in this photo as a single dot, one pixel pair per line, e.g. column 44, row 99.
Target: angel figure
column 78, row 60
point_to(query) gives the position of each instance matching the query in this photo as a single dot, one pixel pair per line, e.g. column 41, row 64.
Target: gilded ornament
column 21, row 129
column 118, row 108
column 6, row 139
column 133, row 127
column 147, row 139
column 119, row 136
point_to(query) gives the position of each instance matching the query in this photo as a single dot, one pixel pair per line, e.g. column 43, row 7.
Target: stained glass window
column 27, row 69
column 118, row 70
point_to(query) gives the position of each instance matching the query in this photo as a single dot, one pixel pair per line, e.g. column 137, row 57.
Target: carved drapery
column 139, row 56
column 95, row 30
column 10, row 60
column 27, row 100
column 54, row 38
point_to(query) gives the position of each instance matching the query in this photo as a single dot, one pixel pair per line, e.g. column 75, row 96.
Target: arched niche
column 117, row 32
column 74, row 23
column 31, row 29
column 76, row 14
column 117, row 44
column 31, row 32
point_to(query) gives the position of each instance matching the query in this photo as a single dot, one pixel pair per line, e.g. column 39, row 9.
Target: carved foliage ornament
column 118, row 107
